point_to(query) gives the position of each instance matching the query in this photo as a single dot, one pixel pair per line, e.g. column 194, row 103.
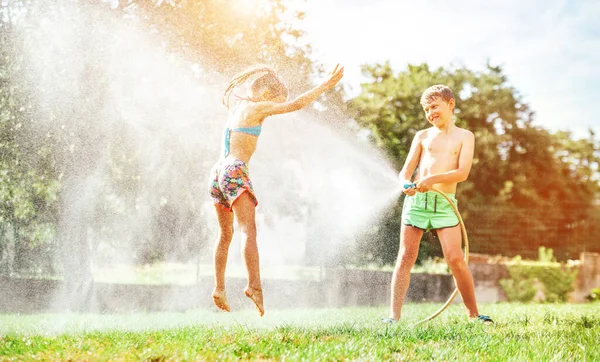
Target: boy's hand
column 334, row 77
column 424, row 185
column 409, row 188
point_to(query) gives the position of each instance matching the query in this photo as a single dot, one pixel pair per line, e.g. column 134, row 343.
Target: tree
column 28, row 182
column 222, row 37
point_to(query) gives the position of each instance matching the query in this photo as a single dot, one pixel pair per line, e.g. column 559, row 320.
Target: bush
column 594, row 295
column 556, row 279
column 518, row 290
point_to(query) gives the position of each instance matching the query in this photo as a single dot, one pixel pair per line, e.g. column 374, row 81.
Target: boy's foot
column 257, row 297
column 220, row 300
column 485, row 319
column 388, row 320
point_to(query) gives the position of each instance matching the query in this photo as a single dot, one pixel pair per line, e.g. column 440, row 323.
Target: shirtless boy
column 442, row 156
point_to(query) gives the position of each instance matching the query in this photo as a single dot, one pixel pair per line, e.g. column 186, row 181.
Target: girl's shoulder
column 243, row 114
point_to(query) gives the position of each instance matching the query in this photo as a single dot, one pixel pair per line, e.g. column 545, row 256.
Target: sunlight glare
column 248, row 7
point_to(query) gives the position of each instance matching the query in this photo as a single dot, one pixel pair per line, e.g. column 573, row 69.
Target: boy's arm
column 460, row 174
column 265, row 109
column 412, row 160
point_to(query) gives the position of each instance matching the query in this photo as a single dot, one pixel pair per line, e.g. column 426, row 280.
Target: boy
column 443, row 155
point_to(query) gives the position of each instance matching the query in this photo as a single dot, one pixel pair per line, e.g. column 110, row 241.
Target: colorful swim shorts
column 429, row 211
column 229, row 180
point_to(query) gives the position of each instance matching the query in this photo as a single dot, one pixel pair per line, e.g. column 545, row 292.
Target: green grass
column 522, row 333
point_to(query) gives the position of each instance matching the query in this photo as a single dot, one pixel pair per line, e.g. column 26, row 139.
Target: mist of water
column 144, row 129
column 317, row 187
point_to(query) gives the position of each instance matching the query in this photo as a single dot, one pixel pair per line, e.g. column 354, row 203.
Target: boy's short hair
column 436, row 91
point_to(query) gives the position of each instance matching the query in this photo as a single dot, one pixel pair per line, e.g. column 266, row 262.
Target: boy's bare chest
column 440, row 145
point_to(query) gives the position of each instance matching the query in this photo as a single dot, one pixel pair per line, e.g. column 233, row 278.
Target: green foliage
column 434, row 265
column 29, row 186
column 221, row 36
column 558, row 282
column 594, row 295
column 517, row 288
column 546, row 255
column 555, row 279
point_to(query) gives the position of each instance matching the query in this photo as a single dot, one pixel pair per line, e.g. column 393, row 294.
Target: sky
column 549, row 49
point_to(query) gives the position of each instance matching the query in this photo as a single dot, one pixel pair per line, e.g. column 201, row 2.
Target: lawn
column 532, row 332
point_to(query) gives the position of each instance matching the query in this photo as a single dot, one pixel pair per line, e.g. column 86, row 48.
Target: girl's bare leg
column 410, row 238
column 451, row 241
column 244, row 211
column 225, row 219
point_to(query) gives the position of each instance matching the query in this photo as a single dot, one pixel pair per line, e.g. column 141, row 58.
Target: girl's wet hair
column 267, row 81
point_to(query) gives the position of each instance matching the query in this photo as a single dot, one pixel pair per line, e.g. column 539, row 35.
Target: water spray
column 466, row 241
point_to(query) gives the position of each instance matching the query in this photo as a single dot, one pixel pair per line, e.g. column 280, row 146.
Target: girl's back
column 242, row 131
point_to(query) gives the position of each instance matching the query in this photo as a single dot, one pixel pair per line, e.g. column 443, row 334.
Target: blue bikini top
column 254, row 131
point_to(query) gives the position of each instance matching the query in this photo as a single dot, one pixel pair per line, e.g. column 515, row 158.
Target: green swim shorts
column 429, row 211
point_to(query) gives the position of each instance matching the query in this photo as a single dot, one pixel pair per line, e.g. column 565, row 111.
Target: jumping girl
column 230, row 186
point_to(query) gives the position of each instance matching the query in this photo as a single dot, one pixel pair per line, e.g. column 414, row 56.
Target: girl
column 230, row 186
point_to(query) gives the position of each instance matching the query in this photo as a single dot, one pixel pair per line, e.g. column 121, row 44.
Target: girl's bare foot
column 220, row 300
column 257, row 297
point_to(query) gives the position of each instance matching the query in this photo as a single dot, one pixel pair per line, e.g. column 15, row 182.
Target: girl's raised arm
column 265, row 109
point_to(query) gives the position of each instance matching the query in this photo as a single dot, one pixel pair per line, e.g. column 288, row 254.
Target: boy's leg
column 244, row 211
column 410, row 238
column 451, row 241
column 225, row 219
